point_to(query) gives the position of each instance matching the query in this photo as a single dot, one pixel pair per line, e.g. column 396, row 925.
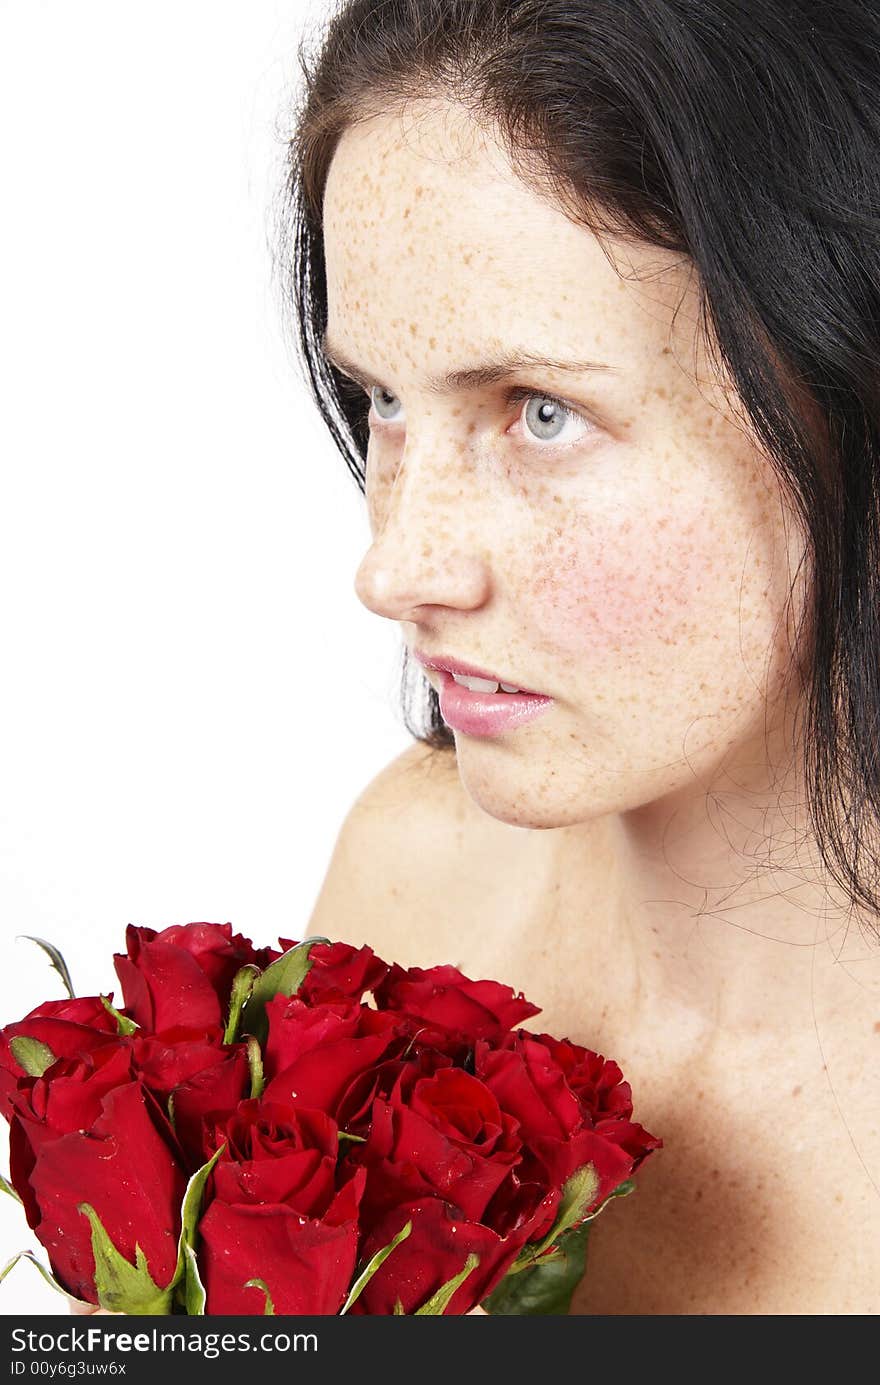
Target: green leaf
column 47, row 1274
column 283, row 977
column 255, row 1061
column 32, row 1055
column 438, row 1303
column 123, row 1287
column 370, row 1269
column 6, row 1187
column 57, row 960
column 187, row 1280
column 269, row 1308
column 547, row 1286
column 123, row 1024
column 242, row 985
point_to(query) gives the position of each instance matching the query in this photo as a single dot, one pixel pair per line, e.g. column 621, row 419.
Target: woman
column 588, row 292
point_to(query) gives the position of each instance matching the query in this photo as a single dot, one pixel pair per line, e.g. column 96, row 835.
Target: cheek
column 629, row 585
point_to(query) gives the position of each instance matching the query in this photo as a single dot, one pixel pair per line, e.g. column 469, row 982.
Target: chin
column 519, row 804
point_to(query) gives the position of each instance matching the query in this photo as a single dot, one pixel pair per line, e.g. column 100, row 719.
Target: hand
column 89, row 1309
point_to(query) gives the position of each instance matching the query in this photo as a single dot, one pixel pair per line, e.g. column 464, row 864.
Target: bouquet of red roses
column 307, row 1130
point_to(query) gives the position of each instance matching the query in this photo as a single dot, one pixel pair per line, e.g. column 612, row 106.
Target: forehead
column 433, row 244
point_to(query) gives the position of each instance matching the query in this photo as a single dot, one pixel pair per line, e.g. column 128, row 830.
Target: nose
column 425, row 549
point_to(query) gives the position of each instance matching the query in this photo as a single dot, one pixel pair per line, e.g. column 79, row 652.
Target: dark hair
column 744, row 134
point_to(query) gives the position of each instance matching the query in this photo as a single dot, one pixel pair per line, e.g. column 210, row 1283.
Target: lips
column 487, row 714
column 446, row 663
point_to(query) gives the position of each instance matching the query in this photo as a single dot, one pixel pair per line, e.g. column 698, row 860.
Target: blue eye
column 548, row 419
column 546, row 422
column 377, row 391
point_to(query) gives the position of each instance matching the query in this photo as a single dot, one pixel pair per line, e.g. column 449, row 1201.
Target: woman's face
column 631, row 558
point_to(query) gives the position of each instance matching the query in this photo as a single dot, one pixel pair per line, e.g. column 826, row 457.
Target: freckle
column 877, row 1026
column 698, row 1195
column 406, row 212
column 413, row 329
column 419, row 190
column 838, row 1197
column 432, row 342
column 796, row 1091
column 699, row 1094
column 466, row 259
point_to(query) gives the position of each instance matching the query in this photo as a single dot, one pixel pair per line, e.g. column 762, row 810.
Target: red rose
column 69, row 1028
column 276, row 1214
column 67, row 1098
column 447, row 1005
column 276, row 1153
column 354, row 1111
column 558, row 1125
column 339, row 971
column 196, row 1078
column 433, row 1253
column 122, row 1165
column 597, row 1082
column 182, row 975
column 314, row 1053
column 446, row 1137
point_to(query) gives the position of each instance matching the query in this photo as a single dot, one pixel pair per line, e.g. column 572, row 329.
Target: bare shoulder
column 394, row 848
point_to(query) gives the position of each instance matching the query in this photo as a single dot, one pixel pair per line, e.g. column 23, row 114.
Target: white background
column 191, row 694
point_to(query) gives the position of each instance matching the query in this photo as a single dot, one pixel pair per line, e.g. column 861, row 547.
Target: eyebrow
column 473, row 377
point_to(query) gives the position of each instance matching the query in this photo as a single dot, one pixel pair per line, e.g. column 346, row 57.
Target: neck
column 717, row 911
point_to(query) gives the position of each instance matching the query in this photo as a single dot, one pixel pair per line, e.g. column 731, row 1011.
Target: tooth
column 508, row 687
column 488, row 685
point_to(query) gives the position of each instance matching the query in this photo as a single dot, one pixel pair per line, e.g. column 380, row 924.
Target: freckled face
column 631, row 557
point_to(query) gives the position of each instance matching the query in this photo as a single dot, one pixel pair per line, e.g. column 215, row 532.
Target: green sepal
column 187, row 1280
column 6, row 1187
column 194, row 1295
column 123, row 1287
column 578, row 1192
column 242, row 985
column 438, row 1303
column 255, row 1063
column 47, row 1275
column 123, row 1024
column 371, row 1267
column 31, row 1054
column 344, row 1135
column 269, row 1306
column 284, row 976
column 56, row 959
column 398, row 1308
